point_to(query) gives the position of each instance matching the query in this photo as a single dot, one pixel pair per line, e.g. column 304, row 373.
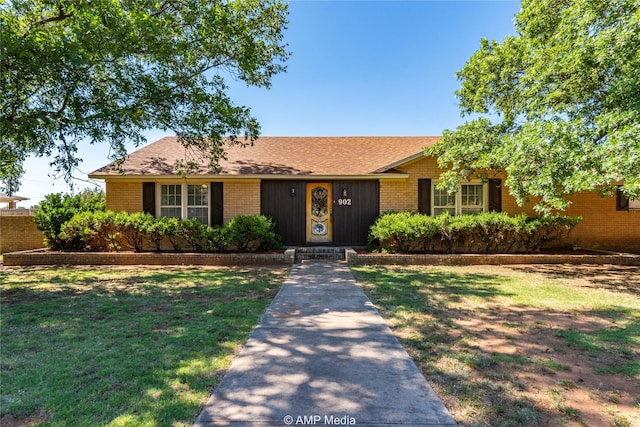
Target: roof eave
column 250, row 176
column 400, row 162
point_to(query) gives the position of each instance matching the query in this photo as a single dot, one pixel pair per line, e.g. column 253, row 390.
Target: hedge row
column 56, row 209
column 114, row 231
column 489, row 232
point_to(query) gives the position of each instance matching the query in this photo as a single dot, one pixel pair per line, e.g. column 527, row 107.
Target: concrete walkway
column 322, row 355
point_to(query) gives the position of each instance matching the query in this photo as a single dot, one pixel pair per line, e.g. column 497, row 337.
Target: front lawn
column 122, row 346
column 521, row 345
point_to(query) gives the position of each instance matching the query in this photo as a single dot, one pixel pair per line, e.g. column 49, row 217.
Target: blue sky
column 357, row 68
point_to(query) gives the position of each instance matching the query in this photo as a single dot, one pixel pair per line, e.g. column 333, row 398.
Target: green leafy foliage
column 93, row 230
column 154, row 230
column 216, row 239
column 194, row 233
column 56, row 209
column 130, row 226
column 555, row 106
column 489, row 232
column 172, row 229
column 115, row 231
column 77, row 72
column 403, row 231
column 252, row 232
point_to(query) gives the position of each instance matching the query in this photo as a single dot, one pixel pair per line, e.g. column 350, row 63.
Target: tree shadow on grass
column 406, row 288
column 508, row 365
column 42, row 283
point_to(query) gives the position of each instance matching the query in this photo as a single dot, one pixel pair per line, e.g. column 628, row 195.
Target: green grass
column 444, row 315
column 123, row 347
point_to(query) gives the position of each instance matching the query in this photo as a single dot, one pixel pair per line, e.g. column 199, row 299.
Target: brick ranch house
column 329, row 190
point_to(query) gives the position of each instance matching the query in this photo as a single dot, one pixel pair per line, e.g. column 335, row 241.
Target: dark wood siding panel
column 217, row 204
column 288, row 212
column 495, row 195
column 149, row 197
column 351, row 222
column 424, row 196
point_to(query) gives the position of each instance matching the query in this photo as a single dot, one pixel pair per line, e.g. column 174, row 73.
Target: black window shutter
column 217, row 212
column 149, row 197
column 622, row 203
column 495, row 195
column 424, row 196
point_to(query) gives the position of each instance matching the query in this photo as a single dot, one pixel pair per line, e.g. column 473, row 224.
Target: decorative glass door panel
column 319, row 213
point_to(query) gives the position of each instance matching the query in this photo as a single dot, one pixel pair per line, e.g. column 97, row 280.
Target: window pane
column 201, row 214
column 471, row 198
column 171, row 212
column 171, row 195
column 198, row 195
column 442, row 198
column 198, row 202
column 443, row 202
column 471, row 210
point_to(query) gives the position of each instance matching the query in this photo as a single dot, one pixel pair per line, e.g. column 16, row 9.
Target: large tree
column 556, row 106
column 92, row 71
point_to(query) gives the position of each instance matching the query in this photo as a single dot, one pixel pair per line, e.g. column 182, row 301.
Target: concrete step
column 320, row 252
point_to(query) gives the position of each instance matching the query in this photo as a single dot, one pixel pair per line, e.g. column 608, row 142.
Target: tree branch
column 61, row 17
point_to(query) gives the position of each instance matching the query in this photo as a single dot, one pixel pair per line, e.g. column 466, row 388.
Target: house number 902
column 344, row 202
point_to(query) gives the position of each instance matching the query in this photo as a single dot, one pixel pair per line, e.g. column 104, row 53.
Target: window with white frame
column 469, row 199
column 195, row 205
column 171, row 200
column 198, row 202
column 443, row 202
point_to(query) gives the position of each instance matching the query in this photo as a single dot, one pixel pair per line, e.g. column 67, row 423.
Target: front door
column 318, row 220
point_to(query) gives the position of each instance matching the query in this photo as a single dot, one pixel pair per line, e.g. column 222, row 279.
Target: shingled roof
column 321, row 156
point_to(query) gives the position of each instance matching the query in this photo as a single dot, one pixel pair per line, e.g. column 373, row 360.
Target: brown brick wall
column 402, row 195
column 19, row 233
column 602, row 226
column 484, row 259
column 145, row 258
column 124, row 196
column 241, row 197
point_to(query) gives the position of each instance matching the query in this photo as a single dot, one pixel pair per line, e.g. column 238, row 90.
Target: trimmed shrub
column 249, row 233
column 153, row 230
column 172, row 228
column 56, row 209
column 403, row 231
column 489, row 232
column 194, row 233
column 77, row 233
column 111, row 231
column 216, row 239
column 95, row 231
column 130, row 226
